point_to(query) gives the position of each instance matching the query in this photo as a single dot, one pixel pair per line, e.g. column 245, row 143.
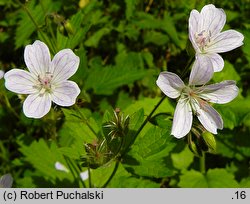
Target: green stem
column 85, row 121
column 203, row 163
column 10, row 107
column 149, row 116
column 74, row 170
column 44, row 38
column 89, row 174
column 112, row 174
column 144, row 123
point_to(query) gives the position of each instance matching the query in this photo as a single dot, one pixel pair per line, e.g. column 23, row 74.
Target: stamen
column 44, row 82
column 202, row 39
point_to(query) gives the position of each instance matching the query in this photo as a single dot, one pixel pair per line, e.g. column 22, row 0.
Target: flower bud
column 209, row 140
column 69, row 28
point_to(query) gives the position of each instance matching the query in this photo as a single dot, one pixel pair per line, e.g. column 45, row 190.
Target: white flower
column 206, row 36
column 1, row 74
column 84, row 175
column 6, row 181
column 194, row 98
column 60, row 167
column 46, row 80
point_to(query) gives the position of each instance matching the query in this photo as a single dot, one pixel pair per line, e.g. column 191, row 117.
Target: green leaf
column 183, row 159
column 130, row 8
column 155, row 37
column 148, row 155
column 228, row 73
column 76, row 131
column 104, row 80
column 147, row 21
column 93, row 41
column 214, row 178
column 26, row 26
column 169, row 26
column 79, row 33
column 78, row 120
column 237, row 111
column 245, row 183
column 148, row 103
column 246, row 46
column 43, row 158
column 123, row 179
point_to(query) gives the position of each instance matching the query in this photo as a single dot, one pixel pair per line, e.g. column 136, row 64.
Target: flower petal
column 225, row 41
column 60, row 167
column 193, row 27
column 202, row 71
column 65, row 94
column 216, row 60
column 20, row 81
column 64, row 64
column 221, row 93
column 6, row 181
column 37, row 105
column 170, row 84
column 207, row 115
column 213, row 19
column 183, row 118
column 84, row 175
column 37, row 58
column 1, row 74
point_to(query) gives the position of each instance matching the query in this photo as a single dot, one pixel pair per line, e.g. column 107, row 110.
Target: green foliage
column 214, row 178
column 149, row 155
column 123, row 46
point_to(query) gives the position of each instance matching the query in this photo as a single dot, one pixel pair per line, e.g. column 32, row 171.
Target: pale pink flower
column 206, row 36
column 194, row 98
column 46, row 80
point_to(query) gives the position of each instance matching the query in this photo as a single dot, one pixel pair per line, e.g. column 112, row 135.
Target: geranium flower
column 46, row 80
column 206, row 36
column 194, row 98
column 1, row 74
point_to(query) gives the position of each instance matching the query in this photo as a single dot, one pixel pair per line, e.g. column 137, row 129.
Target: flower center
column 202, row 39
column 45, row 82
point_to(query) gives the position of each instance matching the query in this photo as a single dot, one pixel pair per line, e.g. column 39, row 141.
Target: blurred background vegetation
column 123, row 45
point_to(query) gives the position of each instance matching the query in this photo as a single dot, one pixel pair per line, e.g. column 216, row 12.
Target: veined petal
column 216, row 60
column 202, row 70
column 213, row 19
column 64, row 64
column 20, row 81
column 37, row 58
column 170, row 84
column 193, row 24
column 207, row 115
column 6, row 181
column 225, row 41
column 183, row 119
column 37, row 105
column 1, row 74
column 221, row 93
column 65, row 94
